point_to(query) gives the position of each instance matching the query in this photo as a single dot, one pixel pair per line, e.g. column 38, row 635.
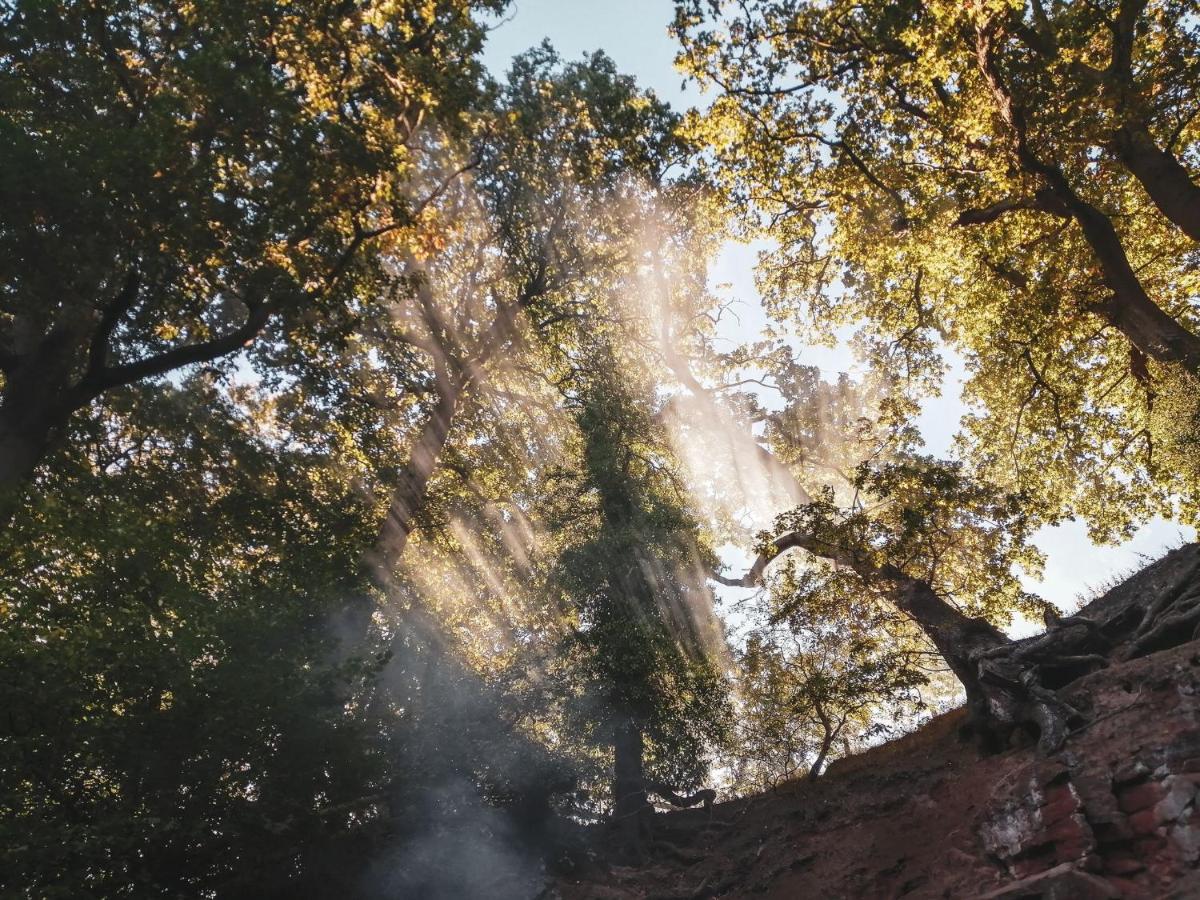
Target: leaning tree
column 942, row 548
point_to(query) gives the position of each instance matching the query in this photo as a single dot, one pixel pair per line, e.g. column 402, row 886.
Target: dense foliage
column 1009, row 179
column 369, row 426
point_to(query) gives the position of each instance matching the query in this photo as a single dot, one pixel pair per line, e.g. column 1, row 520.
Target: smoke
column 461, row 848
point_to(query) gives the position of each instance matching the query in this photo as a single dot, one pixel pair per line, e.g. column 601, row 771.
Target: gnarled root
column 1013, row 698
column 1016, row 683
column 1167, row 625
column 707, row 796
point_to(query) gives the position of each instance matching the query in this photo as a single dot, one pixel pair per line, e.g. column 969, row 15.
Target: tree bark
column 454, row 379
column 23, row 442
column 1161, row 174
column 814, row 771
column 630, row 804
column 409, row 497
column 32, row 409
column 1130, row 309
column 42, row 389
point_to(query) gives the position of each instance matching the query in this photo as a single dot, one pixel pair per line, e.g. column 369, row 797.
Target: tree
column 1012, row 178
column 182, row 180
column 653, row 691
column 169, row 570
column 567, row 142
column 825, row 668
column 942, row 548
column 168, row 670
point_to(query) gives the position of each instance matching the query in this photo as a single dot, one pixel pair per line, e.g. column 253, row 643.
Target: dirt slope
column 1114, row 814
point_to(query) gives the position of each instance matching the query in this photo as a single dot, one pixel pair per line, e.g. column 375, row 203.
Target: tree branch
column 96, row 382
column 109, row 319
column 992, row 212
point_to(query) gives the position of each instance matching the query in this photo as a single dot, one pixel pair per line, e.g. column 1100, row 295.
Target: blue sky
column 634, row 34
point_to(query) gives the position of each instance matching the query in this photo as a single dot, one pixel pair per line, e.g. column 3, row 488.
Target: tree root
column 1015, row 685
column 1172, row 625
column 1183, row 588
column 707, row 796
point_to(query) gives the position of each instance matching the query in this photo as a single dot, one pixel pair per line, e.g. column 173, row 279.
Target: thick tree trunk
column 1161, row 174
column 1004, row 680
column 1130, row 309
column 29, row 417
column 21, row 448
column 630, row 805
column 958, row 637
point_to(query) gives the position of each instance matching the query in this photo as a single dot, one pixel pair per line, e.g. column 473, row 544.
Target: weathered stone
column 1144, row 821
column 1123, row 865
column 1032, row 865
column 1184, row 745
column 1112, row 832
column 1068, row 829
column 1095, row 791
column 1131, row 772
column 1187, row 839
column 1051, row 774
column 1071, row 850
column 1138, row 797
column 1180, row 791
column 1059, row 809
column 1009, row 830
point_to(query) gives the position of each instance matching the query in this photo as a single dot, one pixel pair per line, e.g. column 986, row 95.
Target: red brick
column 1123, row 864
column 1069, row 851
column 1067, row 829
column 1147, row 847
column 1143, row 821
column 1056, row 793
column 1024, row 868
column 1112, row 832
column 1130, row 773
column 1138, row 797
column 1053, row 774
column 1058, row 809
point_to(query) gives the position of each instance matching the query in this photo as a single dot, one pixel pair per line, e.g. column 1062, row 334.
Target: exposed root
column 683, row 801
column 1184, row 587
column 1172, row 626
column 1016, row 684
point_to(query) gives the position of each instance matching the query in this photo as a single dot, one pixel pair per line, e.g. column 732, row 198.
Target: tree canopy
column 376, row 452
column 1008, row 179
